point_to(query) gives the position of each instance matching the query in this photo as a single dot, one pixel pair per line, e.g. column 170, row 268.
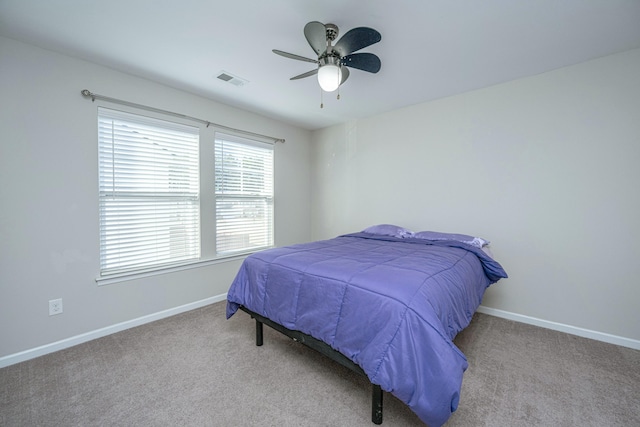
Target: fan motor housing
column 333, row 59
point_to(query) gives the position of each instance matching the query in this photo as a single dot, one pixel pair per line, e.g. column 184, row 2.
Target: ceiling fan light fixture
column 329, row 77
column 334, row 61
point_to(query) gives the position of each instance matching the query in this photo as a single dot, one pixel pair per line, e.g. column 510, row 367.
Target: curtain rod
column 87, row 94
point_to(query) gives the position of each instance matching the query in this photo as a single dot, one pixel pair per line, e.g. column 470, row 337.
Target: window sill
column 134, row 275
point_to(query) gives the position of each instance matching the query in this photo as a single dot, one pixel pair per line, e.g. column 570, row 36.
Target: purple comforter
column 391, row 305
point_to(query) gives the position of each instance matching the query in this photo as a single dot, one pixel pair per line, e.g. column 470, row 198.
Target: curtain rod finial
column 87, row 93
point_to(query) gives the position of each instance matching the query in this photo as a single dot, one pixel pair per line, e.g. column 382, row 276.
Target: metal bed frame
column 324, row 348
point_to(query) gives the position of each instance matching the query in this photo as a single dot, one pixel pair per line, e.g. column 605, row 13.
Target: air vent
column 230, row 78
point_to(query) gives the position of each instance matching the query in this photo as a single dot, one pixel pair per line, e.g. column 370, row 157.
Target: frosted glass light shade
column 329, row 77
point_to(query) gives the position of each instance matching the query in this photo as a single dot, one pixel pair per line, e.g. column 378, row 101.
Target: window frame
column 154, row 174
column 207, row 130
column 264, row 194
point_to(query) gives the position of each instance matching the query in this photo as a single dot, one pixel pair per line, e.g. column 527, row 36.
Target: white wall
column 546, row 167
column 49, row 206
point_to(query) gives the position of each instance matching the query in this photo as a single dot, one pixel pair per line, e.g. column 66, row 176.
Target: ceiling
column 430, row 49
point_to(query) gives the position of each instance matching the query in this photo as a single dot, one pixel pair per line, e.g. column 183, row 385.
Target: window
column 174, row 193
column 149, row 192
column 244, row 194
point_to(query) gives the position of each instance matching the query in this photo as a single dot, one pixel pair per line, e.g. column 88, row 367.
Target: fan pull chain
column 322, row 97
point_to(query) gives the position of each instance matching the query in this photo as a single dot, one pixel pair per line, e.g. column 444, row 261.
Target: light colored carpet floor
column 198, row 369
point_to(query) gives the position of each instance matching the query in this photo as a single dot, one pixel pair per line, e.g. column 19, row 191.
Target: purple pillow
column 389, row 230
column 469, row 240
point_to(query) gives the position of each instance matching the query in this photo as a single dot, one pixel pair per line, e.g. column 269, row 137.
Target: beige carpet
column 198, row 369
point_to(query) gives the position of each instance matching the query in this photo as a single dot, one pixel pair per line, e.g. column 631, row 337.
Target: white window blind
column 149, row 189
column 244, row 194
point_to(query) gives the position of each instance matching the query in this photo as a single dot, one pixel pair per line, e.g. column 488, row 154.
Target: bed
column 385, row 304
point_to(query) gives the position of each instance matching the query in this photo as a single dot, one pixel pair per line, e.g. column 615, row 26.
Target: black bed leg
column 376, row 404
column 258, row 333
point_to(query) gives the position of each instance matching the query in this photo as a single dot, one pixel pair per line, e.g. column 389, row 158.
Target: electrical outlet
column 55, row 306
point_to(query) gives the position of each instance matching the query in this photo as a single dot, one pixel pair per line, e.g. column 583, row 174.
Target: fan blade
column 362, row 61
column 316, row 34
column 356, row 39
column 303, row 75
column 345, row 74
column 293, row 56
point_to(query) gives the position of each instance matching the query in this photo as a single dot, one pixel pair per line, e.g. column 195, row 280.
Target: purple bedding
column 392, row 305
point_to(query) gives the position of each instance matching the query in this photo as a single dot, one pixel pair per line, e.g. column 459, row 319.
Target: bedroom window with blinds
column 243, row 193
column 149, row 192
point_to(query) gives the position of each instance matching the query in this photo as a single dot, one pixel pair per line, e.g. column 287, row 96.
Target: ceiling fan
column 333, row 60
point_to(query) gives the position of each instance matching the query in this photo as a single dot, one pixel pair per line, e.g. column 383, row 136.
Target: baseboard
column 79, row 339
column 98, row 333
column 573, row 330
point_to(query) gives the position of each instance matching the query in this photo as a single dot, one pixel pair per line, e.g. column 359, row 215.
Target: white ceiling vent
column 230, row 78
